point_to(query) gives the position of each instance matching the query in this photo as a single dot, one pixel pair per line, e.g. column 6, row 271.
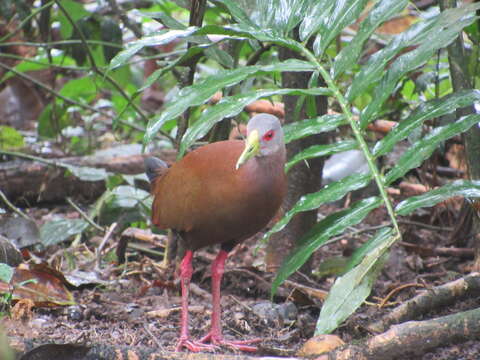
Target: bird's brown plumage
column 208, row 201
column 219, row 194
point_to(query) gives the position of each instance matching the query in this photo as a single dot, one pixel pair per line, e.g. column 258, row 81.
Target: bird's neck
column 273, row 162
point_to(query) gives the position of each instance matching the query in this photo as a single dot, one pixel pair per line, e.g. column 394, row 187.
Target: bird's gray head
column 264, row 137
column 270, row 133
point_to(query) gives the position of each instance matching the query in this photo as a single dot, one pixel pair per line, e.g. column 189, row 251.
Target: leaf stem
column 356, row 131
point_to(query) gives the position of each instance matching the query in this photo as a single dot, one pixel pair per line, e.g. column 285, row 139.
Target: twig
column 84, row 215
column 13, row 207
column 145, row 250
column 426, row 226
column 154, row 338
column 102, row 244
column 413, row 338
column 430, row 299
column 397, row 289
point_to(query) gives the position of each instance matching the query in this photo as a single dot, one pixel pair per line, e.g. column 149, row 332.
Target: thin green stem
column 357, row 132
column 59, row 43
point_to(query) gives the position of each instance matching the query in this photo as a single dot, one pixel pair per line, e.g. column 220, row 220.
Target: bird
column 220, row 193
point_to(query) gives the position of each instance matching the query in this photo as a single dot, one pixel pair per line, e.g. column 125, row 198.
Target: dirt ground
column 138, row 305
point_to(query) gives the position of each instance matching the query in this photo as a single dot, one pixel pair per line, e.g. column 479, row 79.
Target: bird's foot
column 218, row 340
column 194, row 346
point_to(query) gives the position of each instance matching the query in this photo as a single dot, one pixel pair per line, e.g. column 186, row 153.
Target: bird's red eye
column 268, row 135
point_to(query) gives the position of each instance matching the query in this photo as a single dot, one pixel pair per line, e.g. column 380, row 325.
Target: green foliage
column 376, row 81
column 6, row 273
column 10, row 138
column 237, row 49
column 57, row 231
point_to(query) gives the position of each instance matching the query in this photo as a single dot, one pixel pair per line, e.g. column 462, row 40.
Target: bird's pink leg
column 186, row 272
column 215, row 336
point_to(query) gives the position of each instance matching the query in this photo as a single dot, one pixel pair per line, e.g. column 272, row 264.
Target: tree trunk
column 303, row 178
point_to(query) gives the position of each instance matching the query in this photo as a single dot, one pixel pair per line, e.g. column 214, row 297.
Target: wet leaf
column 19, row 231
column 383, row 10
column 57, row 231
column 230, row 106
column 467, row 189
column 78, row 278
column 321, row 150
column 303, row 128
column 320, row 235
column 39, row 283
column 379, row 238
column 350, row 290
column 424, row 148
column 428, row 33
column 343, row 13
column 428, row 110
column 202, row 91
column 315, row 18
column 238, row 14
column 331, row 192
column 155, row 39
column 128, row 196
column 447, row 27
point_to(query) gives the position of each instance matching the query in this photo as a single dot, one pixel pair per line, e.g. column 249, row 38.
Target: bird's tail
column 155, row 169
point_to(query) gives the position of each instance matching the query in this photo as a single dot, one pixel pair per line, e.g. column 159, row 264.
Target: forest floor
column 138, row 305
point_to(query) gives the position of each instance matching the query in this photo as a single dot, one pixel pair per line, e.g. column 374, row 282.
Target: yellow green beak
column 252, row 147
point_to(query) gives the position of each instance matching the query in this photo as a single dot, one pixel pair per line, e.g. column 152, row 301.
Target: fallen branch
column 430, row 299
column 413, row 338
column 34, row 181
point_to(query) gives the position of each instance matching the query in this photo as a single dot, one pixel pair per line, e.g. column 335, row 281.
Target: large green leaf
column 429, row 110
column 301, row 129
column 370, row 245
column 424, row 148
column 421, row 32
column 315, row 18
column 450, row 23
column 320, row 234
column 343, row 13
column 331, row 192
column 231, row 106
column 238, row 13
column 240, row 31
column 202, row 91
column 384, row 10
column 321, row 150
column 191, row 52
column 468, row 189
column 56, row 231
column 279, row 16
column 349, row 291
column 158, row 38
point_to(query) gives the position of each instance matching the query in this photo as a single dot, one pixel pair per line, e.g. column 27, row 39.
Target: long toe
column 239, row 345
column 195, row 346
